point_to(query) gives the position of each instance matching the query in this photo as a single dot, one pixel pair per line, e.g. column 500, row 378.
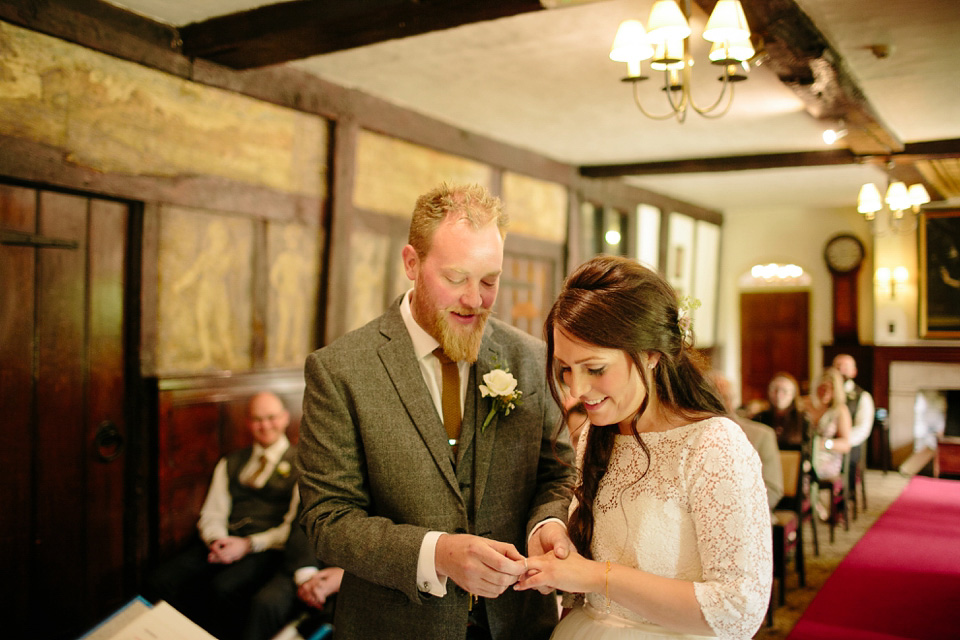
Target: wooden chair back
column 792, row 463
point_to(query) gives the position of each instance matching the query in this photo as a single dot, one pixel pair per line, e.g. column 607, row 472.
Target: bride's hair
column 617, row 303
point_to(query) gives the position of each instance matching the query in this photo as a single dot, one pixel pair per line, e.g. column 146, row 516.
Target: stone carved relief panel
column 205, row 302
column 293, row 263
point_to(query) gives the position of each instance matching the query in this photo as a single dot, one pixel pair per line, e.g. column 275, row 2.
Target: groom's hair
column 469, row 202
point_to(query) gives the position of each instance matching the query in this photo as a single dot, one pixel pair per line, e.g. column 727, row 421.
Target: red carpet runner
column 902, row 579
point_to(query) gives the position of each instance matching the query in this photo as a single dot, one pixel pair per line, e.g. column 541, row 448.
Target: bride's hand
column 573, row 574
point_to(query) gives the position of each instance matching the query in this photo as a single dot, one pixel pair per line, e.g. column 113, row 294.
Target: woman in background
column 670, row 517
column 830, row 417
column 784, row 414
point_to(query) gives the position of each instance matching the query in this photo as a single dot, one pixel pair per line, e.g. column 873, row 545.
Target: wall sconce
column 888, row 280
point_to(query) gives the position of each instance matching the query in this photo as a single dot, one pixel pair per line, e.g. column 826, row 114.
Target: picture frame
column 939, row 253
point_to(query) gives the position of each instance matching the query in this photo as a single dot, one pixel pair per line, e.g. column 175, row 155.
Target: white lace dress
column 699, row 514
column 827, row 463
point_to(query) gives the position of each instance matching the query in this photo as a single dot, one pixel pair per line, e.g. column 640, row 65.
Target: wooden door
column 62, row 393
column 774, row 336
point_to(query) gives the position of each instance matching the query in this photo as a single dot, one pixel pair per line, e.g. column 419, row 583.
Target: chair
column 788, row 520
column 839, row 498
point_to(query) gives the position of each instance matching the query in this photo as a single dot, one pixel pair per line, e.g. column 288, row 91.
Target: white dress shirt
column 863, row 420
column 215, row 513
column 423, row 346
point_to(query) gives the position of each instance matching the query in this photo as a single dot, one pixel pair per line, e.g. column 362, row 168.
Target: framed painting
column 940, row 274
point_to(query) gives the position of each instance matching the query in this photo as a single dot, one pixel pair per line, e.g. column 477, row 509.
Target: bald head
column 267, row 418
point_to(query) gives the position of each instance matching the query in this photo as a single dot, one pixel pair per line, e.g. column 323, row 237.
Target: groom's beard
column 460, row 343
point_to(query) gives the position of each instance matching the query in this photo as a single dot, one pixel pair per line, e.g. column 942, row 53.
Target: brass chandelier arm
column 680, row 106
column 666, row 116
column 708, row 112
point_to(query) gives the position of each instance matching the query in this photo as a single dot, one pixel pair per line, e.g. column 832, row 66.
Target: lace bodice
column 699, row 514
column 827, row 464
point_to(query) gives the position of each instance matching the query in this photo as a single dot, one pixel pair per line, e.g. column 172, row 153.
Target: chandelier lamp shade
column 665, row 42
column 899, row 198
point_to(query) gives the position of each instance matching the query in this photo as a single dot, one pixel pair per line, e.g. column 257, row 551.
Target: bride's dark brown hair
column 617, row 303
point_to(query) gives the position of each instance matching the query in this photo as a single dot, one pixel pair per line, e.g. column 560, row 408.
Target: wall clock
column 844, row 253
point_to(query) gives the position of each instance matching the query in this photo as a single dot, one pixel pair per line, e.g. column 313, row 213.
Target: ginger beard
column 459, row 342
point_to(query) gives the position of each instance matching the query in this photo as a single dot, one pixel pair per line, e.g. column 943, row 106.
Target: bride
column 670, row 518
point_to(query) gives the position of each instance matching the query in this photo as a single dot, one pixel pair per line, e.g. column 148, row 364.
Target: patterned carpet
column 882, row 490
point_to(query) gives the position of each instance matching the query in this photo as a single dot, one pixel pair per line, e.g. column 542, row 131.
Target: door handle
column 108, row 442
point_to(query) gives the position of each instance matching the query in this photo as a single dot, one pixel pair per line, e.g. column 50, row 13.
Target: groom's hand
column 478, row 565
column 551, row 536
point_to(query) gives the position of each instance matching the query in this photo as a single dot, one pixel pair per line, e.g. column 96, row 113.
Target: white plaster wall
column 761, row 235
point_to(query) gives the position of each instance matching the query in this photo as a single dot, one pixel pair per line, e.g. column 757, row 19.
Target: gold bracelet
column 606, row 585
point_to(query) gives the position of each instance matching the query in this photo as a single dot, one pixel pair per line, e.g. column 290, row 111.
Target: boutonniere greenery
column 501, row 386
column 283, row 469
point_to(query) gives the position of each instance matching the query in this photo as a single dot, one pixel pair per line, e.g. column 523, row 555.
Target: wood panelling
column 200, row 419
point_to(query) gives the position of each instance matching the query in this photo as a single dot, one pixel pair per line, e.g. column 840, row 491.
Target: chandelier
column 899, row 199
column 666, row 43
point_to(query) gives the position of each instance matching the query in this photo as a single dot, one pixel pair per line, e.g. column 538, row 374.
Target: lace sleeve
column 732, row 520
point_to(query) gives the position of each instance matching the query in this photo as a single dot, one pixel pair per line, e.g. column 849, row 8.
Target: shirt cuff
column 537, row 526
column 427, row 579
column 303, row 574
column 257, row 543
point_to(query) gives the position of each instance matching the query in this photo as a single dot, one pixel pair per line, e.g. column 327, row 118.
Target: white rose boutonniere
column 283, row 469
column 500, row 385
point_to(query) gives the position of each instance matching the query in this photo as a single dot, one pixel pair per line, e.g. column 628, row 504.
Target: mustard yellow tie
column 450, row 398
column 252, row 478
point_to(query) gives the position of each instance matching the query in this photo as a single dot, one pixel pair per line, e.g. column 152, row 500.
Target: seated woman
column 831, row 422
column 670, row 518
column 784, row 414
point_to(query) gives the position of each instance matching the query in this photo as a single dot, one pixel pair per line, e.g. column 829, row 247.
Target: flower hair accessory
column 500, row 385
column 686, row 305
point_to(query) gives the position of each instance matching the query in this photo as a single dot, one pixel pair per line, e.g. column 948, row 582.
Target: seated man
column 300, row 586
column 762, row 437
column 244, row 523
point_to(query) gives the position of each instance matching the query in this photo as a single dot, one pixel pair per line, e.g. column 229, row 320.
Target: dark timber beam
column 913, row 152
column 302, row 28
column 806, row 63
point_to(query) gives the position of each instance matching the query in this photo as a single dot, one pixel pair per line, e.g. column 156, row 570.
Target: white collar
column 274, row 452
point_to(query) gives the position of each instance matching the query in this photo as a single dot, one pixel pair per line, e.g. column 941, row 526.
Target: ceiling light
column 832, row 135
column 899, row 198
column 665, row 41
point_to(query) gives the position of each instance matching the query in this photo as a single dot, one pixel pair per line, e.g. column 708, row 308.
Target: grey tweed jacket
column 378, row 474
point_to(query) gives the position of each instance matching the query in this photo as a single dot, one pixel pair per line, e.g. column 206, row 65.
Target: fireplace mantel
column 883, row 356
column 873, row 362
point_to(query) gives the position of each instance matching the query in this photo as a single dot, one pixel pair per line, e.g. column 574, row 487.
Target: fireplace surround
column 894, row 375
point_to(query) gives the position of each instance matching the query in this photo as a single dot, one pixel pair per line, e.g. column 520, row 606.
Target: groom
column 424, row 507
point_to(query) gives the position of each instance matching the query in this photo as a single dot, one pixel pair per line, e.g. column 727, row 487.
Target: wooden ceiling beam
column 792, row 46
column 913, row 152
column 293, row 30
column 728, row 163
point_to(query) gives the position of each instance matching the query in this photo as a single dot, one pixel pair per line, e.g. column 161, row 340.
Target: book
column 139, row 620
